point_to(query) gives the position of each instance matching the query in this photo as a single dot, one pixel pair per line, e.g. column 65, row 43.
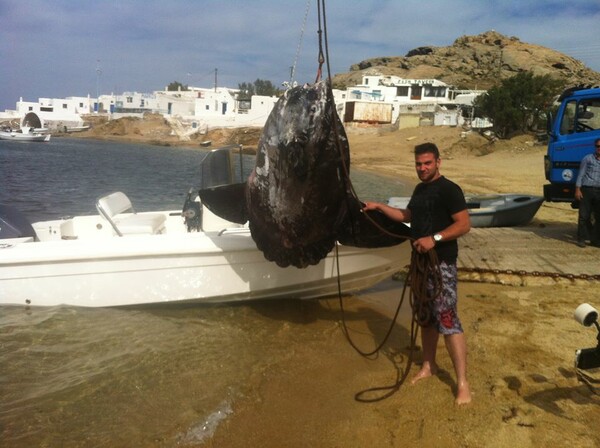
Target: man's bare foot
column 426, row 371
column 463, row 394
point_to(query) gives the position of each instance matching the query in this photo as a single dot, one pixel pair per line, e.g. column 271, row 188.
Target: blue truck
column 571, row 136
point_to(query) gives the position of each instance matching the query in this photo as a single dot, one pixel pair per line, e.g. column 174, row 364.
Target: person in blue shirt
column 587, row 192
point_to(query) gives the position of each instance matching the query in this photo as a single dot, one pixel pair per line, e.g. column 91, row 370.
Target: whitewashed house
column 54, row 113
column 378, row 99
column 408, row 102
column 195, row 108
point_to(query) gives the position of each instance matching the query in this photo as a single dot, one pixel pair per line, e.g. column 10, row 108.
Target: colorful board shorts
column 443, row 309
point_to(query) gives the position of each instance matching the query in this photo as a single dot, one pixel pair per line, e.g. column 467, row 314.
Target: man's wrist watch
column 437, row 237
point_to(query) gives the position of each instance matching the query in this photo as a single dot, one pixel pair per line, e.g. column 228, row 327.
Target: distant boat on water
column 70, row 129
column 26, row 134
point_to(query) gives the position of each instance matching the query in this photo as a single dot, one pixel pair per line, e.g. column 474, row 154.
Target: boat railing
column 233, row 230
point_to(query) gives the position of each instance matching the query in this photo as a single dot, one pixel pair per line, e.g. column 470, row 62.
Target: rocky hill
column 474, row 62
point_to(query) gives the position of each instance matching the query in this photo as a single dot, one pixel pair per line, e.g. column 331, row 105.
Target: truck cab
column 571, row 136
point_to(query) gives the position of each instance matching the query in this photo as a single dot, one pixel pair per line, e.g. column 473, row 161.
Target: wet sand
column 525, row 394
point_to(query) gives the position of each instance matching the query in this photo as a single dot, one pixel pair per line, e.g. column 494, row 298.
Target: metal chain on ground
column 523, row 273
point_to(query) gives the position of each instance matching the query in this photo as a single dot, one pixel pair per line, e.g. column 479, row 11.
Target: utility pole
column 98, row 73
column 215, row 79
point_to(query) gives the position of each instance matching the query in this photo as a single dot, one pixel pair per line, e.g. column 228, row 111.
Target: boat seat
column 113, row 205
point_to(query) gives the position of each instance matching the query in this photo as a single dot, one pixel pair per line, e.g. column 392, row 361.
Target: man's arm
column 397, row 214
column 460, row 226
column 579, row 180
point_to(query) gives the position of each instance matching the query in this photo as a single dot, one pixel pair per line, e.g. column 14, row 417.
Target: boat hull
column 502, row 210
column 20, row 137
column 191, row 267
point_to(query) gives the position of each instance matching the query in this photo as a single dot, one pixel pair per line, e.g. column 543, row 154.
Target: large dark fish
column 297, row 199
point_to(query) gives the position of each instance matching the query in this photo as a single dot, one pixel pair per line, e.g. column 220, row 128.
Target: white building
column 393, row 89
column 54, row 113
column 195, row 107
column 378, row 99
column 391, row 99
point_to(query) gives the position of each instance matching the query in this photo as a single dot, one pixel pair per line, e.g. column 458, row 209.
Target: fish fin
column 370, row 228
column 226, row 201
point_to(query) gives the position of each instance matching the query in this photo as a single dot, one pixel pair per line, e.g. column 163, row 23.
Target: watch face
column 437, row 237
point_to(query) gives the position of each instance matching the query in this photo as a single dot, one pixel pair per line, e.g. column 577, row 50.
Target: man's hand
column 578, row 194
column 370, row 206
column 424, row 245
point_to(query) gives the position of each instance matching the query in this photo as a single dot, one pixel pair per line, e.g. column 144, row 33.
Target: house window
column 130, row 99
column 80, row 104
column 64, row 106
column 402, row 91
column 435, row 92
column 46, row 109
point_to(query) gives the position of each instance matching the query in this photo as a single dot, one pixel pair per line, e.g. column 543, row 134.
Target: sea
column 148, row 376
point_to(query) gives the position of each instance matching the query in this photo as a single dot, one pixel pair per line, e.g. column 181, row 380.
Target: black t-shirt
column 432, row 206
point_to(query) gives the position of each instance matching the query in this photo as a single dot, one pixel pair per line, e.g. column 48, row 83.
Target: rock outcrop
column 474, row 62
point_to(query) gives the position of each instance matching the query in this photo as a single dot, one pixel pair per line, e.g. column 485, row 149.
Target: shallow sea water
column 153, row 376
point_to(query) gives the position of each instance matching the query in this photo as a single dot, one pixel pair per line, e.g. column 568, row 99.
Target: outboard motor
column 192, row 212
column 13, row 224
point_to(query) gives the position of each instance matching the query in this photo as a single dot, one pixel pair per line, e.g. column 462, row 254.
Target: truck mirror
column 549, row 121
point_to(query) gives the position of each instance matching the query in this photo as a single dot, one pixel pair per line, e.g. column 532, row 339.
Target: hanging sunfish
column 297, row 199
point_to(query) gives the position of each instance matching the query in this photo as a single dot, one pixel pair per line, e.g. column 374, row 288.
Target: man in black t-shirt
column 438, row 215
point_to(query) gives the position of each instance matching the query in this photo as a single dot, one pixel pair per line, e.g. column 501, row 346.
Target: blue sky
column 59, row 48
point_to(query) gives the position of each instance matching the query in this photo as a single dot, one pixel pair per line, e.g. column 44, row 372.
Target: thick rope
column 424, row 268
column 425, row 283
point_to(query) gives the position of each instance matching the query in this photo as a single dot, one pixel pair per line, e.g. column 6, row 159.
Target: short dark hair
column 427, row 147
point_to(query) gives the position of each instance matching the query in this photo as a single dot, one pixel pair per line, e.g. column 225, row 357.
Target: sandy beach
column 521, row 338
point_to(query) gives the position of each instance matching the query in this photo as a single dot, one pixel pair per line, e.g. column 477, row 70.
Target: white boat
column 121, row 259
column 26, row 134
column 71, row 129
column 497, row 210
